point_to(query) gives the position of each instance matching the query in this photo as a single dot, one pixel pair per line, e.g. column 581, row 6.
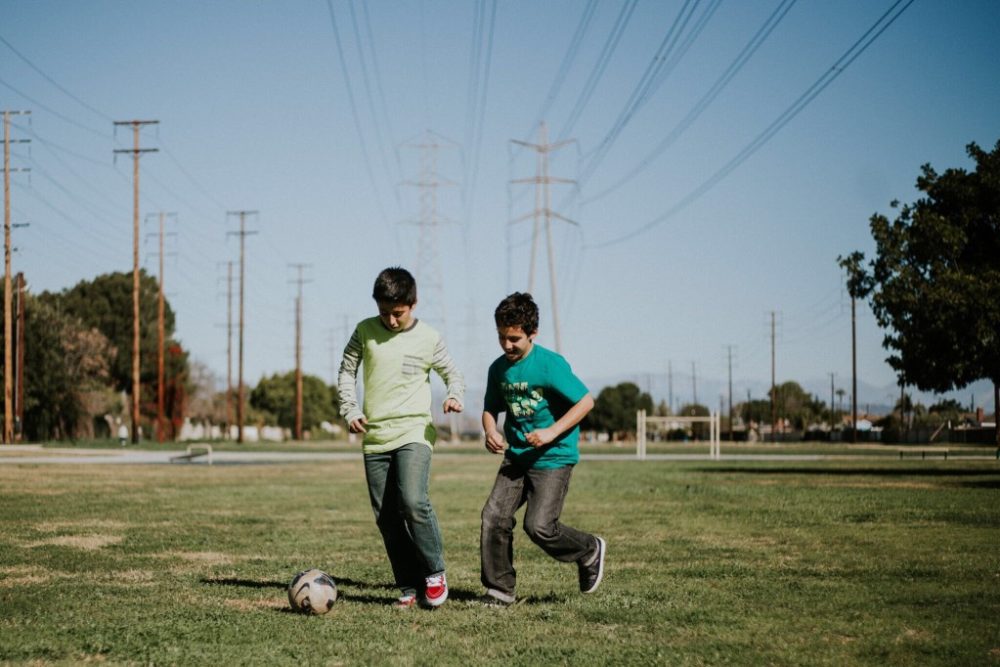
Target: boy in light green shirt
column 398, row 352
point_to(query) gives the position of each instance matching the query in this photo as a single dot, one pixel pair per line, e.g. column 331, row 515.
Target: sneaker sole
column 436, row 602
column 600, row 565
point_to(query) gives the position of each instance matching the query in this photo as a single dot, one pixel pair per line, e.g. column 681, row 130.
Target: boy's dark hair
column 518, row 310
column 395, row 285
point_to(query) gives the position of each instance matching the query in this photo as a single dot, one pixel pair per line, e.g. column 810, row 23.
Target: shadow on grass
column 856, row 472
column 345, row 585
column 246, row 583
column 981, row 484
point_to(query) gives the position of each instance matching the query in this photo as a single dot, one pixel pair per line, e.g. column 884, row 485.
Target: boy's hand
column 358, row 425
column 541, row 437
column 494, row 442
column 451, row 405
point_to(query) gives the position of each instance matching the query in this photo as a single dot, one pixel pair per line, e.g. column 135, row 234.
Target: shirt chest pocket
column 413, row 365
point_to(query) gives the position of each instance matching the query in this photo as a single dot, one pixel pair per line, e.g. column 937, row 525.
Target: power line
column 365, row 79
column 477, row 113
column 55, row 113
column 667, row 55
column 55, row 83
column 354, row 112
column 830, row 75
column 610, row 44
column 702, row 104
column 564, row 66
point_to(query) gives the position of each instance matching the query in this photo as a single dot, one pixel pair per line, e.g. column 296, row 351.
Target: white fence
column 673, row 423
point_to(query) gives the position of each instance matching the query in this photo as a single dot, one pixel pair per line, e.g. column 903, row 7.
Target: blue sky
column 673, row 266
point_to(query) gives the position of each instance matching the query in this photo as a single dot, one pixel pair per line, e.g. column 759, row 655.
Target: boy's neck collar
column 409, row 328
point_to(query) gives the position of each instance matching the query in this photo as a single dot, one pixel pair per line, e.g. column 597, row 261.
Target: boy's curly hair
column 518, row 310
column 395, row 285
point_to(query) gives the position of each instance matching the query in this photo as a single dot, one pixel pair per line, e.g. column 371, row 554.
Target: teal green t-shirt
column 535, row 392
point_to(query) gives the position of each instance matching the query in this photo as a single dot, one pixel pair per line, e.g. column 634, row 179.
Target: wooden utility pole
column 19, row 374
column 243, row 233
column 8, row 355
column 298, row 349
column 729, row 350
column 694, row 386
column 854, row 372
column 136, row 152
column 543, row 211
column 832, row 414
column 160, row 335
column 670, row 387
column 774, row 395
column 229, row 347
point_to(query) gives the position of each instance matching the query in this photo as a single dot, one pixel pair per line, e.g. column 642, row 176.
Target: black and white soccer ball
column 312, row 592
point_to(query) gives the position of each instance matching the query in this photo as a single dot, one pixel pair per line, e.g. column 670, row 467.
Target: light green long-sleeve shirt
column 397, row 388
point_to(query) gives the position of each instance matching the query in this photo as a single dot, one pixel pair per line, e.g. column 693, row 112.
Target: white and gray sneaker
column 592, row 569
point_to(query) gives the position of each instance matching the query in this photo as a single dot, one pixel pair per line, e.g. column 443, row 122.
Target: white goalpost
column 642, row 420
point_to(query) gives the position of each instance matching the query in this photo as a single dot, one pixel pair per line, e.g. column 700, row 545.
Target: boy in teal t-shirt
column 544, row 402
column 398, row 352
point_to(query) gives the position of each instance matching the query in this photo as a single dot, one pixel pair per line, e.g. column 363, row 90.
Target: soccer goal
column 643, row 421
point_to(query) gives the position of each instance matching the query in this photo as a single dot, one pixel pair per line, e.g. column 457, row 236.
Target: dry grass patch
column 86, row 542
column 256, row 605
column 79, row 526
column 190, row 561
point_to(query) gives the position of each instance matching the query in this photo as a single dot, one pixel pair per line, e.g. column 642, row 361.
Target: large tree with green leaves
column 615, row 408
column 275, row 397
column 66, row 367
column 105, row 304
column 934, row 283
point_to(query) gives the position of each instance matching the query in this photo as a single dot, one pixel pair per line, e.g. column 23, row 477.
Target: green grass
column 854, row 562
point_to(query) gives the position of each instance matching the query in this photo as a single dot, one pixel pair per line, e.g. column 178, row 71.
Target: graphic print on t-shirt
column 521, row 401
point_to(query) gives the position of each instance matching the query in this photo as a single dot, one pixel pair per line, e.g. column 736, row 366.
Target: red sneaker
column 436, row 590
column 405, row 602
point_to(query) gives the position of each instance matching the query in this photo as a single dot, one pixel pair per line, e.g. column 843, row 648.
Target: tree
column 67, row 373
column 935, row 279
column 796, row 405
column 275, row 396
column 105, row 304
column 756, row 411
column 949, row 408
column 615, row 408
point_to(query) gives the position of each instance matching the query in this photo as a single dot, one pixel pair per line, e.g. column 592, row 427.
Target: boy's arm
column 444, row 365
column 494, row 439
column 347, row 385
column 544, row 436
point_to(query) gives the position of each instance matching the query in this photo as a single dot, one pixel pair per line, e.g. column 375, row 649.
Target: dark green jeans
column 398, row 484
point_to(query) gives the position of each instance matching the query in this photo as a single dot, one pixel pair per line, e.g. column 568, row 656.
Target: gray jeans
column 544, row 490
column 398, row 488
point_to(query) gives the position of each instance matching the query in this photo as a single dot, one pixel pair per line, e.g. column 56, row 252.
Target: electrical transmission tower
column 428, row 268
column 542, row 215
column 136, row 152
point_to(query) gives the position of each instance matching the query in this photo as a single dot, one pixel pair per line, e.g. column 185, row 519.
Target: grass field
column 748, row 563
